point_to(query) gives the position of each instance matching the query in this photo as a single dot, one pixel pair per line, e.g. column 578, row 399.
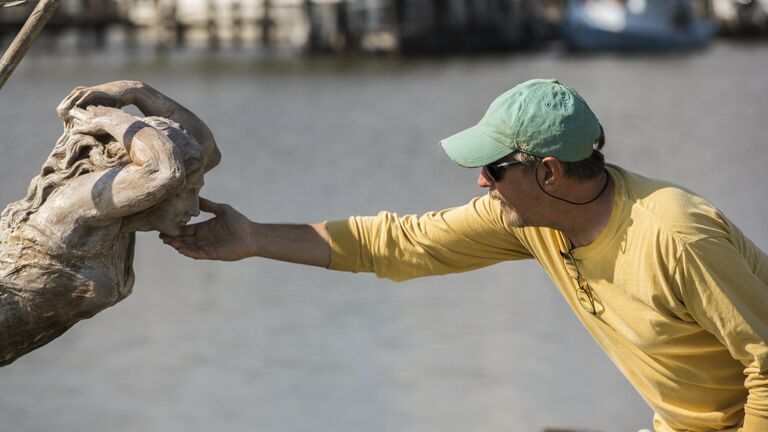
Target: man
column 674, row 293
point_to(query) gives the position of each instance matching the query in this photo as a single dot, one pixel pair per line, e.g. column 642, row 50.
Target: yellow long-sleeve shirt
column 682, row 294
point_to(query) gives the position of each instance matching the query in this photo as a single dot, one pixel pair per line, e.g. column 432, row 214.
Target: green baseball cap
column 539, row 117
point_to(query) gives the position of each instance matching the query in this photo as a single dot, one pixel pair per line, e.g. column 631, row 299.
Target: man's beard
column 512, row 216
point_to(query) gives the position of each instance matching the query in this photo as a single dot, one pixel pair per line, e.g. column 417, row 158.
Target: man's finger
column 192, row 253
column 181, row 240
column 171, row 241
column 189, row 230
column 212, row 207
column 184, row 249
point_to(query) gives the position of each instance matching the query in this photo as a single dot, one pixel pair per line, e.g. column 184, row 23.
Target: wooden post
column 266, row 23
column 212, row 25
column 313, row 41
column 237, row 23
column 131, row 37
column 23, row 41
column 172, row 22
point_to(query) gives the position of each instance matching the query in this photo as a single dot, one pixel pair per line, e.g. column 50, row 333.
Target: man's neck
column 584, row 224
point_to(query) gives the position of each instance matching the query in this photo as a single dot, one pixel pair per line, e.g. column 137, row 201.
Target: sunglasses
column 495, row 170
column 586, row 296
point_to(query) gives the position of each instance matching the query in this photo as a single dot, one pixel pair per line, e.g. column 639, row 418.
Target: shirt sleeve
column 399, row 248
column 727, row 298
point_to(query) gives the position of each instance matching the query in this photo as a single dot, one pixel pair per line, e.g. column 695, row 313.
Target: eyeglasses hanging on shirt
column 586, row 296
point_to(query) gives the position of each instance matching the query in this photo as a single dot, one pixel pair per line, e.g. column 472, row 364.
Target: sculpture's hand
column 226, row 237
column 92, row 120
column 97, row 120
column 113, row 94
column 149, row 101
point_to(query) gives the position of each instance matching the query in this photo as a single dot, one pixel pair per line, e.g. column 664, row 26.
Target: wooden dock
column 314, row 25
column 311, row 25
column 170, row 23
column 91, row 18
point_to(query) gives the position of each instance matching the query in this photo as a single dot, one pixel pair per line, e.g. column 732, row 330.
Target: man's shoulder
column 670, row 208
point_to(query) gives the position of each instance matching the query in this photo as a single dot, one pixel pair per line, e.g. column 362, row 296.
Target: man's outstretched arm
column 395, row 247
column 230, row 236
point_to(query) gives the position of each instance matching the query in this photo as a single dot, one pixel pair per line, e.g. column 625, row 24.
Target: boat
column 632, row 25
column 742, row 16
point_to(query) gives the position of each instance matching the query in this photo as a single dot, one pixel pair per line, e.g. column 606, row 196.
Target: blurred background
column 325, row 109
column 402, row 26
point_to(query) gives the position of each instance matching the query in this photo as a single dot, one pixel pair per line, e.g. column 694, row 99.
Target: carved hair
column 76, row 154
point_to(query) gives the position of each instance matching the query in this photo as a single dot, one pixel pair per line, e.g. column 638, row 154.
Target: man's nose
column 483, row 182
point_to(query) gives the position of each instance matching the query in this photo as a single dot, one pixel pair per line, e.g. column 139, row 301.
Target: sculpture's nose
column 193, row 209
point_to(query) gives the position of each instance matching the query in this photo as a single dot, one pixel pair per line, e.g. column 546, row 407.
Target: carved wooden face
column 178, row 208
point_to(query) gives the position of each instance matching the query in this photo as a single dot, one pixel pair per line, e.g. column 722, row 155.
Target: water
column 265, row 346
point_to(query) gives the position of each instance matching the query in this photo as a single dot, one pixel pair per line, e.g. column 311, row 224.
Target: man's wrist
column 254, row 240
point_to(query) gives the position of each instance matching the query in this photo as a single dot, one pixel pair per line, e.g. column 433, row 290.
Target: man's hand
column 226, row 237
column 230, row 236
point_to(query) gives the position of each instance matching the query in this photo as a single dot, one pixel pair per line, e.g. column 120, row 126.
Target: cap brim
column 472, row 148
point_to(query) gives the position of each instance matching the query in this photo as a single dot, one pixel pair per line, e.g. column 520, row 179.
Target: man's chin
column 514, row 219
column 510, row 214
column 517, row 222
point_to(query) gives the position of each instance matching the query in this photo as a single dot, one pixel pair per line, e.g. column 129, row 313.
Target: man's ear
column 551, row 171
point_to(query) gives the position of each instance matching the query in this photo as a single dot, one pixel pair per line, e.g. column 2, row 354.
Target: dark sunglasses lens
column 492, row 172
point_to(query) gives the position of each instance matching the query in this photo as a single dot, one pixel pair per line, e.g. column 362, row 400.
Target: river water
column 265, row 346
